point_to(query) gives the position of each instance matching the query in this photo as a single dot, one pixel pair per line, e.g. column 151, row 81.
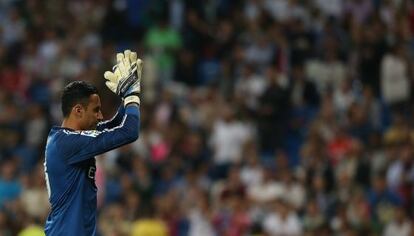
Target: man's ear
column 78, row 110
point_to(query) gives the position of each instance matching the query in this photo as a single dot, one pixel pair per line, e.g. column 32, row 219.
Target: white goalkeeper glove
column 125, row 80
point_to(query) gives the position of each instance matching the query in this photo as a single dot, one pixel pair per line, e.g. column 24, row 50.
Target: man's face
column 92, row 113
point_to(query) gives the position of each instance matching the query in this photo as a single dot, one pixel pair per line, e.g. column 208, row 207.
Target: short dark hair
column 74, row 93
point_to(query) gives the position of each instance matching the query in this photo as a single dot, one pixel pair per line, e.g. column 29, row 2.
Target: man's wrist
column 132, row 99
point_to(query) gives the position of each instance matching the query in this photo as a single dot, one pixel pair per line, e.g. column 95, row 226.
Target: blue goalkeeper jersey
column 70, row 171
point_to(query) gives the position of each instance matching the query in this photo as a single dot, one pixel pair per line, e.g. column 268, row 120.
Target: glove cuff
column 133, row 98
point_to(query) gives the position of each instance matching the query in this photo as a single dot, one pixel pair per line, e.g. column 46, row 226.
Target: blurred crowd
column 258, row 117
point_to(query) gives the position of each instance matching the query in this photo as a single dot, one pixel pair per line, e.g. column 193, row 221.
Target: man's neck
column 68, row 123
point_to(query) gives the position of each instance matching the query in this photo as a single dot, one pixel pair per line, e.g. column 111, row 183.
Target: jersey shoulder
column 61, row 140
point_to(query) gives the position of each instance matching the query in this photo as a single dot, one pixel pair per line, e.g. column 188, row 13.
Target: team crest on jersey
column 90, row 133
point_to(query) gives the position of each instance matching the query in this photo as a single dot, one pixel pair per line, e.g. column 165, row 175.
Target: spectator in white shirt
column 395, row 83
column 283, row 221
column 227, row 139
column 400, row 226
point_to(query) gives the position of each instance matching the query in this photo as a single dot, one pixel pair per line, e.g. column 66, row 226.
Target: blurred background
column 259, row 117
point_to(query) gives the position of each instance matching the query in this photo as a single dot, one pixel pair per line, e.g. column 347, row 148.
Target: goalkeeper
column 71, row 149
